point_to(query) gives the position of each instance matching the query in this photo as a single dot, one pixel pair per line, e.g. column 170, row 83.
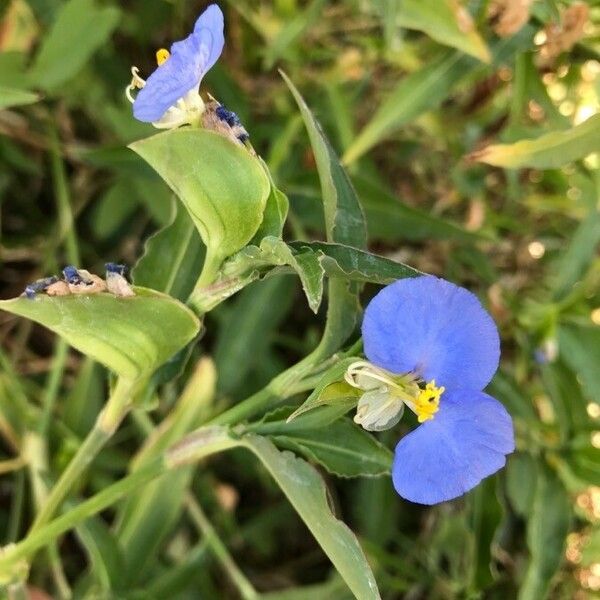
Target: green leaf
column 357, row 265
column 246, row 335
column 132, row 336
column 305, row 490
column 580, row 349
column 548, row 151
column 425, row 89
column 331, row 390
column 344, row 218
column 80, row 29
column 148, row 515
column 223, row 187
column 344, row 223
column 172, row 257
column 584, row 463
column 303, row 487
column 311, row 261
column 422, row 90
column 521, row 475
column 275, row 214
column 345, row 450
column 579, row 254
column 104, row 553
column 10, row 97
column 447, row 22
column 306, row 264
column 547, row 530
column 291, row 31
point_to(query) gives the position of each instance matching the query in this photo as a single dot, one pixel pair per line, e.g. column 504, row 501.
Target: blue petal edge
column 190, row 60
column 434, row 327
column 465, row 442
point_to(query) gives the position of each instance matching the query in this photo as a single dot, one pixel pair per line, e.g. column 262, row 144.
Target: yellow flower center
column 427, row 402
column 162, row 55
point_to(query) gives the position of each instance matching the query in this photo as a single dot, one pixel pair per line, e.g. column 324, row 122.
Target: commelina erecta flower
column 432, row 347
column 170, row 96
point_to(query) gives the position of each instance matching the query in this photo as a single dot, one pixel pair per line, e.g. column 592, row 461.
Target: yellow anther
column 427, row 402
column 162, row 55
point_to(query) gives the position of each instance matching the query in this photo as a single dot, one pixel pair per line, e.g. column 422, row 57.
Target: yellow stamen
column 162, row 55
column 427, row 402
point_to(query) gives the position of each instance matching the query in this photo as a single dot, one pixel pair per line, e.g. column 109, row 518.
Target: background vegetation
column 410, row 93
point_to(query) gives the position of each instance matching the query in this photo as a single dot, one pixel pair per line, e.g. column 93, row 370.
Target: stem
column 195, row 446
column 246, row 589
column 12, row 464
column 63, row 200
column 107, row 423
column 52, row 385
column 210, row 268
column 35, row 451
column 45, row 534
column 278, row 388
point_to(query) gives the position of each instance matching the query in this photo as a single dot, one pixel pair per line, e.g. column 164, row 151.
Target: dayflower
column 432, row 347
column 170, row 96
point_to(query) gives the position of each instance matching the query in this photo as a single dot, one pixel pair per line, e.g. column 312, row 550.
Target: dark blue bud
column 39, row 286
column 227, row 116
column 116, row 268
column 243, row 137
column 71, row 275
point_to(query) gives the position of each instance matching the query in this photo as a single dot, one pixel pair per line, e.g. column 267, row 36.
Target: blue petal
column 209, row 26
column 190, row 60
column 435, row 328
column 443, row 458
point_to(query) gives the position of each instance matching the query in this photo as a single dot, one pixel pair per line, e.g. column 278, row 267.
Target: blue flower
column 170, row 97
column 433, row 347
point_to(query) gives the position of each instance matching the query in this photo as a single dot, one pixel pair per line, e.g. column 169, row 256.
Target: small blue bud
column 39, row 286
column 116, row 268
column 71, row 274
column 228, row 116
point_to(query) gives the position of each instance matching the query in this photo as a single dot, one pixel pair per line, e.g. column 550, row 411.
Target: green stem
column 246, row 589
column 36, row 453
column 45, row 534
column 195, row 446
column 210, row 268
column 278, row 389
column 52, row 385
column 107, row 423
column 63, row 200
column 12, row 464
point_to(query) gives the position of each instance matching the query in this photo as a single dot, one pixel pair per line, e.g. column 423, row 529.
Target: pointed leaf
column 447, row 22
column 344, row 223
column 10, row 97
column 547, row 530
column 549, row 151
column 420, row 91
column 80, row 29
column 357, row 265
column 344, row 218
column 305, row 490
column 346, row 450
